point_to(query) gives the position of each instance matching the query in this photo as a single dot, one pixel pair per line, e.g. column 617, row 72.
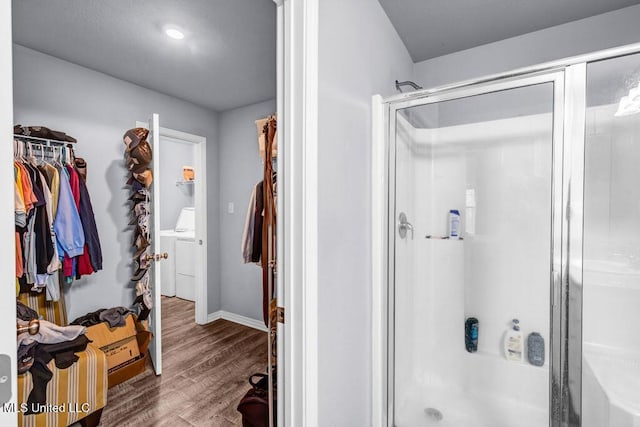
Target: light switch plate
column 231, row 208
column 5, row 378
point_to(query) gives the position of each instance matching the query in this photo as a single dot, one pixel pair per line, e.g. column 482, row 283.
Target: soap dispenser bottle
column 513, row 342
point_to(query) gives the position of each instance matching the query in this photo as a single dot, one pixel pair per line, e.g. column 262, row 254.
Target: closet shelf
column 42, row 140
column 179, row 183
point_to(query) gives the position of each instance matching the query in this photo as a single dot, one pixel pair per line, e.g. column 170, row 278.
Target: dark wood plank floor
column 205, row 372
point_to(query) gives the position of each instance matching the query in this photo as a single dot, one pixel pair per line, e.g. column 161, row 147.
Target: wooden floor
column 205, row 372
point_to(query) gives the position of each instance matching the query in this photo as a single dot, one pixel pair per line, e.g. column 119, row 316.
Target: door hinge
column 280, row 315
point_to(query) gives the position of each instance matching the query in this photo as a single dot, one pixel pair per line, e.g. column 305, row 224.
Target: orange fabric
column 19, row 261
column 29, row 196
column 20, row 183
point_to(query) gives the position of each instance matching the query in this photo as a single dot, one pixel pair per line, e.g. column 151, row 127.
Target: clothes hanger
column 57, row 154
column 42, row 161
column 31, row 157
column 21, row 148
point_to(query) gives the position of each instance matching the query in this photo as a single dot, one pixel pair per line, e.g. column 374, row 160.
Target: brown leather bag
column 254, row 406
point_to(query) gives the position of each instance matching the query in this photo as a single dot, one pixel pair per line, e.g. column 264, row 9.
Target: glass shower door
column 474, row 244
column 611, row 265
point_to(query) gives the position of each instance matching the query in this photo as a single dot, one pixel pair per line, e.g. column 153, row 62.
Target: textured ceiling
column 431, row 28
column 226, row 60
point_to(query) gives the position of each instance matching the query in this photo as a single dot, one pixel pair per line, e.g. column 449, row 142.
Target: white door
column 155, row 318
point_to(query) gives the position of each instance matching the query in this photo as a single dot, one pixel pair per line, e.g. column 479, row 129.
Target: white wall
column 241, row 168
column 97, row 110
column 173, row 197
column 360, row 54
column 604, row 31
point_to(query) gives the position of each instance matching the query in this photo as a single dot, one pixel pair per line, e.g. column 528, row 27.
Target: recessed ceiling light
column 174, row 33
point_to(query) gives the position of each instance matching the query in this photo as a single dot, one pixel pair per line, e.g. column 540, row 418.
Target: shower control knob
column 404, row 226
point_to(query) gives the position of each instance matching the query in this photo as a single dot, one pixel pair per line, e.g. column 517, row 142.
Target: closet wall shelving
column 31, row 142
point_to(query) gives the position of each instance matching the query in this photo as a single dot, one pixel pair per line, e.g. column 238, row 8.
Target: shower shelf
column 443, row 238
column 495, row 356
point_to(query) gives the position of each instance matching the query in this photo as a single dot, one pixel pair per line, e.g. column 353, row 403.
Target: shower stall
column 541, row 167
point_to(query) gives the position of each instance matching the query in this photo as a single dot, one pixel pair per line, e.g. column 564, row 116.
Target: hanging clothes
column 248, row 231
column 93, row 250
column 259, row 234
column 252, row 234
column 50, row 229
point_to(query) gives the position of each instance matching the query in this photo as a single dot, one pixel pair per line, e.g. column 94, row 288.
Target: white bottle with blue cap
column 454, row 224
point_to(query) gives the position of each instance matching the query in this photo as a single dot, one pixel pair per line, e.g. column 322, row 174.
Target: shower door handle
column 404, row 226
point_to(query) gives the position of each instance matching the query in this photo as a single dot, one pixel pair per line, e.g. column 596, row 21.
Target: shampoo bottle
column 513, row 342
column 471, row 334
column 454, row 224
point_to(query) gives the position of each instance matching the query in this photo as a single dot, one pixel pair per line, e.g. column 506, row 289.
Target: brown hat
column 140, row 250
column 138, row 158
column 132, row 137
column 141, row 152
column 140, row 208
column 139, row 195
column 145, row 177
column 141, row 242
column 134, row 166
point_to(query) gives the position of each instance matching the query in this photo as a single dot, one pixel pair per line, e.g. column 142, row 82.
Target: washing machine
column 178, row 275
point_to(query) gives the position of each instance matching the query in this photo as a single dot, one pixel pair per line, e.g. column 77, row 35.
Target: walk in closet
column 136, row 154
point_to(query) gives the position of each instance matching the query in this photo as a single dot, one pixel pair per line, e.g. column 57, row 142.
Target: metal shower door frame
column 565, row 283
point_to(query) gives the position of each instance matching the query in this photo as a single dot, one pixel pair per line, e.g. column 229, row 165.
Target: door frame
column 297, row 282
column 7, row 231
column 200, row 202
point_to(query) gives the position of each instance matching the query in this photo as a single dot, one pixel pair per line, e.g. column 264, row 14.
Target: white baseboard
column 236, row 318
column 214, row 316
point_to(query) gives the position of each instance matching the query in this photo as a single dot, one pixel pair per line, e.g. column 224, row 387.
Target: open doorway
column 208, row 70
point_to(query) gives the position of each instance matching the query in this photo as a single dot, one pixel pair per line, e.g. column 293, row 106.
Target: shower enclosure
column 543, row 167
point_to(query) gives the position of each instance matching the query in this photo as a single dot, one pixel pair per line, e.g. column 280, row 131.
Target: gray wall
column 360, row 55
column 240, row 170
column 175, row 155
column 97, row 110
column 604, row 31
